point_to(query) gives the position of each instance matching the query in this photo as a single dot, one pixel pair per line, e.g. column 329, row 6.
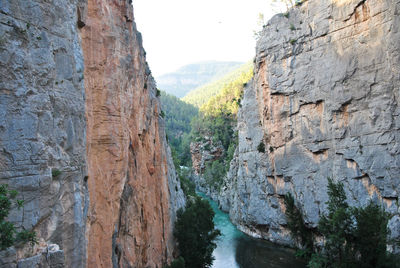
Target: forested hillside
column 212, row 123
column 215, row 126
column 178, row 115
column 191, row 76
column 202, row 94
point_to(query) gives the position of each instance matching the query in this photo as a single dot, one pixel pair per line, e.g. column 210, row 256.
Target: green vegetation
column 201, row 95
column 189, row 77
column 292, row 41
column 336, row 227
column 178, row 116
column 296, row 225
column 261, row 147
column 188, row 186
column 177, row 263
column 227, row 98
column 354, row 237
column 55, row 173
column 214, row 173
column 213, row 125
column 8, row 233
column 220, row 128
column 371, row 237
column 196, row 234
column 217, row 119
column 194, row 227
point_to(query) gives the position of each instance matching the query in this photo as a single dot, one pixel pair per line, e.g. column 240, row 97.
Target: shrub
column 371, row 236
column 214, row 174
column 158, row 92
column 196, row 234
column 55, row 173
column 261, row 147
column 177, row 263
column 296, row 225
column 354, row 237
column 8, row 234
column 336, row 226
column 188, row 186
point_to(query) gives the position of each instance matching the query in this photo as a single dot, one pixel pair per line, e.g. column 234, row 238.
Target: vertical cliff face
column 326, row 92
column 81, row 137
column 203, row 153
column 128, row 163
column 42, row 125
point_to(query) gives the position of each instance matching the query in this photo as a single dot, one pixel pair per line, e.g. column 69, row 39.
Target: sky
column 179, row 32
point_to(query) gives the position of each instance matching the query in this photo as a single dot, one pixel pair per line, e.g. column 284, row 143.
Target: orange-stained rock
column 78, row 100
column 129, row 218
column 324, row 102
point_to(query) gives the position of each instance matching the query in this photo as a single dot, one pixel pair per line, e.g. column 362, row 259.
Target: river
column 236, row 249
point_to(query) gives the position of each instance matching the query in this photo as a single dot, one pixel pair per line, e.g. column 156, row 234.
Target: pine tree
column 196, row 234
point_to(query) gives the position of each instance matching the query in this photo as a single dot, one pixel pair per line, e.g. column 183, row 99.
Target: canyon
column 82, row 133
column 324, row 102
column 82, row 138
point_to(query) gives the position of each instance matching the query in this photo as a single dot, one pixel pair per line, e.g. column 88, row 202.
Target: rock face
column 203, row 153
column 132, row 205
column 42, row 125
column 325, row 102
column 81, row 137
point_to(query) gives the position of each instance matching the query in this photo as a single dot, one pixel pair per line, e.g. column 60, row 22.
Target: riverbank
column 238, row 250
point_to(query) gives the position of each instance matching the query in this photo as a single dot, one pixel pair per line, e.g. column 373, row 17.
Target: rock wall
column 326, row 91
column 204, row 153
column 129, row 167
column 42, row 124
column 81, row 137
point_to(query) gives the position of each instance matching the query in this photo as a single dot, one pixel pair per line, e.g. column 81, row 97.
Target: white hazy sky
column 180, row 32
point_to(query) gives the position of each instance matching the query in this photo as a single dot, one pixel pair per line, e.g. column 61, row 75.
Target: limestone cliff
column 128, row 164
column 202, row 154
column 325, row 102
column 81, row 137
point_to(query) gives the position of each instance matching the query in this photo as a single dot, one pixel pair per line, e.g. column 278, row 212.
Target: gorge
column 78, row 101
column 83, row 131
column 323, row 102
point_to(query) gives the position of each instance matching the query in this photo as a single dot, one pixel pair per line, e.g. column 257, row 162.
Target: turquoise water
column 235, row 249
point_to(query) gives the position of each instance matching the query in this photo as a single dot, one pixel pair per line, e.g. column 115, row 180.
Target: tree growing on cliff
column 354, row 237
column 296, row 225
column 337, row 226
column 196, row 234
column 8, row 233
column 370, row 235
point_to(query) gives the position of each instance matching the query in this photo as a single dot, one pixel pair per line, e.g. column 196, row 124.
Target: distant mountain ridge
column 189, row 77
column 204, row 93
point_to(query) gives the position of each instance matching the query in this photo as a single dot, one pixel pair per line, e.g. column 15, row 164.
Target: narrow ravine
column 235, row 249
